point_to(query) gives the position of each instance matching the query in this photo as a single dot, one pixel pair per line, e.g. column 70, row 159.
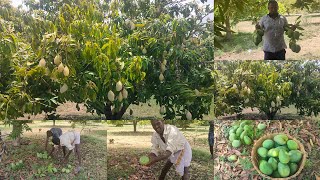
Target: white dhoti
column 182, row 159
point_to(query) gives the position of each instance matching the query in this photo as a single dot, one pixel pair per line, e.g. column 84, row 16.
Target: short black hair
column 56, row 141
column 272, row 2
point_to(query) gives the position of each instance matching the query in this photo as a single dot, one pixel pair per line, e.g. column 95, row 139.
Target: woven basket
column 254, row 156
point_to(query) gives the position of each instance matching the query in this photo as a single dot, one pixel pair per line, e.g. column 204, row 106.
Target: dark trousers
column 280, row 55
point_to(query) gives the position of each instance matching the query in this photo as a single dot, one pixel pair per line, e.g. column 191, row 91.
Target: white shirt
column 174, row 140
column 69, row 139
column 273, row 33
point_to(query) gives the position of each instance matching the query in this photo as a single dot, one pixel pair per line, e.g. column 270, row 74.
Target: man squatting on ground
column 168, row 139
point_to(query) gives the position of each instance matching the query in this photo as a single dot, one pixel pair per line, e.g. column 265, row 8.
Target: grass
column 128, row 146
column 93, row 152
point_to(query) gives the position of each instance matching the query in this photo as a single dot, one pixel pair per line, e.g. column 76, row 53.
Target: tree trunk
column 271, row 115
column 135, row 122
column 17, row 127
column 228, row 28
column 116, row 115
column 54, row 122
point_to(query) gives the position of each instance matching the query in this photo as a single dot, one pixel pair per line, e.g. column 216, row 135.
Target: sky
column 16, row 3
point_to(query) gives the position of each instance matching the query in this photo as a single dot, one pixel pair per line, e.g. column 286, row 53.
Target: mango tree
column 179, row 50
column 256, row 85
column 233, row 89
column 304, row 76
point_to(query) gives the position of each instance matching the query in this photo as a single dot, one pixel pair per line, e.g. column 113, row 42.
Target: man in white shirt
column 168, row 143
column 71, row 140
column 273, row 25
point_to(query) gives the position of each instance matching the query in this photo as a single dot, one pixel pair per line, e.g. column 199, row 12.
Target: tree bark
column 116, row 115
column 271, row 115
column 135, row 122
column 16, row 127
column 228, row 28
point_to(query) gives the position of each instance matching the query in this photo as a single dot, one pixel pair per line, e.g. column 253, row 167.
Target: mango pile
column 279, row 157
column 243, row 133
column 257, row 36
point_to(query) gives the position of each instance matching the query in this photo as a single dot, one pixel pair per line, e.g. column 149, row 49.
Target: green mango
column 293, row 168
column 298, row 48
column 232, row 158
column 236, row 143
column 268, row 144
column 296, row 35
column 260, row 32
column 244, row 133
column 265, row 167
column 262, row 152
column 281, row 139
column 283, row 169
column 261, row 126
column 243, row 123
column 235, row 127
column 144, row 160
column 284, row 156
column 232, row 131
column 292, row 145
column 276, row 174
column 273, row 152
column 239, row 131
column 247, row 127
column 232, row 137
column 283, row 147
column 295, row 156
column 247, row 140
column 274, row 163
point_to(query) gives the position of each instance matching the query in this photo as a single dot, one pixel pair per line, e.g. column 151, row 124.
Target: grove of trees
column 107, row 55
column 267, row 86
